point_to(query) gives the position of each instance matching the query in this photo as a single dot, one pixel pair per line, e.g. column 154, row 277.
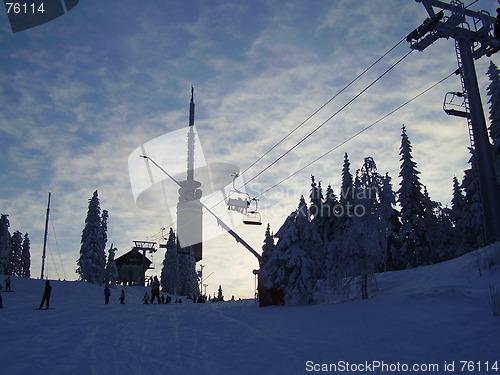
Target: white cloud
column 75, row 111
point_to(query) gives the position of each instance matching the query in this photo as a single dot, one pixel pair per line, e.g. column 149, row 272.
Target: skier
column 155, row 290
column 145, row 299
column 7, row 284
column 107, row 293
column 46, row 295
column 122, row 297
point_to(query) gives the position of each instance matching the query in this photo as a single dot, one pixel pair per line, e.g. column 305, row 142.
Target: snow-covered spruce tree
column 169, row 278
column 26, row 258
column 220, row 295
column 331, row 207
column 347, row 188
column 434, row 228
column 188, row 278
column 104, row 228
column 493, row 92
column 92, row 261
column 5, row 243
column 458, row 218
column 291, row 267
column 16, row 250
column 473, row 209
column 111, row 269
column 268, row 246
column 360, row 250
column 390, row 215
column 414, row 242
column 316, row 205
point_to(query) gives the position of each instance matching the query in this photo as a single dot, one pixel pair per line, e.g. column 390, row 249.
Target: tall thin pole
column 45, row 236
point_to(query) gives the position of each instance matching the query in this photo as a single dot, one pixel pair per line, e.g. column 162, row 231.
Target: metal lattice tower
column 473, row 35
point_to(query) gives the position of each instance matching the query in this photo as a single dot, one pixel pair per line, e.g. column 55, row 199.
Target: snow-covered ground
column 436, row 315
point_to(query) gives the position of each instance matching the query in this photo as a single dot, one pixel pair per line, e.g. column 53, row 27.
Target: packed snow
column 430, row 317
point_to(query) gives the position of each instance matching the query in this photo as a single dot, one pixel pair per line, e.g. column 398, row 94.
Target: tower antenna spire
column 191, row 108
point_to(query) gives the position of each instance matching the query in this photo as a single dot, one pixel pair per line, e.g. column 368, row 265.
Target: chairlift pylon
column 454, row 104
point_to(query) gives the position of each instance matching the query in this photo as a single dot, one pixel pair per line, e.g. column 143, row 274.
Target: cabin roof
column 133, row 257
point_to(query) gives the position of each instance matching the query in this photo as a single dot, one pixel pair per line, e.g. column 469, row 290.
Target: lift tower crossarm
column 428, row 4
column 454, row 26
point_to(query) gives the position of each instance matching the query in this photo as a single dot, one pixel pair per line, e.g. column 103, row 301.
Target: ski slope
column 430, row 317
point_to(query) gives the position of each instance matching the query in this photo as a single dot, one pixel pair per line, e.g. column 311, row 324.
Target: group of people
column 45, row 297
column 7, row 289
column 155, row 293
column 107, row 294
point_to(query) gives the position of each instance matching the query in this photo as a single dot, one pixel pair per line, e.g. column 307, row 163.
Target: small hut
column 132, row 266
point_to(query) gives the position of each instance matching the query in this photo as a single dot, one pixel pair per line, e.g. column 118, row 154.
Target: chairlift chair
column 253, row 216
column 241, row 202
column 454, row 104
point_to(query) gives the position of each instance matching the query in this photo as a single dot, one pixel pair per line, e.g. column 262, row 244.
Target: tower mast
column 472, row 32
column 45, row 237
column 189, row 207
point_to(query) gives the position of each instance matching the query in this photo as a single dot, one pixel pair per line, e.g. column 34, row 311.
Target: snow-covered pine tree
column 347, row 200
column 361, row 248
column 347, row 188
column 458, row 217
column 220, row 295
column 188, row 278
column 291, row 267
column 104, row 228
column 26, row 257
column 268, row 247
column 316, row 199
column 169, row 279
column 5, row 243
column 111, row 269
column 331, row 206
column 474, row 223
column 92, row 261
column 434, row 228
column 414, row 243
column 493, row 91
column 16, row 250
column 390, row 215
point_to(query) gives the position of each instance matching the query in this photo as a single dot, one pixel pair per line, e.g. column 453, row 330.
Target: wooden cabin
column 132, row 267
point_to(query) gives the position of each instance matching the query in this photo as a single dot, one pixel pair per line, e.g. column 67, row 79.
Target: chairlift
column 253, row 216
column 454, row 104
column 241, row 202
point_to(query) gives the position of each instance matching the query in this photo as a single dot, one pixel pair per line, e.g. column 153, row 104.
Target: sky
column 79, row 94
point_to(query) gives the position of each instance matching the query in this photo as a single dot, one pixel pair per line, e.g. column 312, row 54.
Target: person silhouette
column 46, row 295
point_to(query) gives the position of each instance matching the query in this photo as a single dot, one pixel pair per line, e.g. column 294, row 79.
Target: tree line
column 331, row 247
column 15, row 258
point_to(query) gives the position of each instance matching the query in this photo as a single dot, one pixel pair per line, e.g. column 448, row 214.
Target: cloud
column 80, row 94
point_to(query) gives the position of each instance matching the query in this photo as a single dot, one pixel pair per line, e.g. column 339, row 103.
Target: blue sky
column 80, row 93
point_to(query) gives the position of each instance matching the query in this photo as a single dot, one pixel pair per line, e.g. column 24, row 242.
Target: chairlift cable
column 324, row 105
column 358, row 133
column 58, row 249
column 324, row 122
column 53, row 262
column 330, row 118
